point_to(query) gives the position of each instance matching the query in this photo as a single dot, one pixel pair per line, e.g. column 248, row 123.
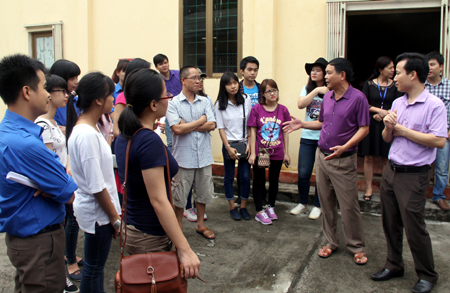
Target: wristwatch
column 117, row 224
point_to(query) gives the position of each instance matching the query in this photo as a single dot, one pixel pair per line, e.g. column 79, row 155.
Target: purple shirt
column 173, row 84
column 269, row 133
column 427, row 115
column 342, row 119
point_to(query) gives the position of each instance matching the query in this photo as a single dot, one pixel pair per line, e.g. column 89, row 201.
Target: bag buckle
column 151, row 271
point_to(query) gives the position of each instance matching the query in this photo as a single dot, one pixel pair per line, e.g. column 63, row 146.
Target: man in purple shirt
column 416, row 126
column 344, row 122
column 173, row 86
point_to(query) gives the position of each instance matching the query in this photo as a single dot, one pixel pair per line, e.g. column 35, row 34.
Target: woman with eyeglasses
column 96, row 206
column 232, row 112
column 267, row 136
column 151, row 222
column 311, row 98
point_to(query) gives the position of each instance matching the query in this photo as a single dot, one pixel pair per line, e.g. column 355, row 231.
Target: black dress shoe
column 423, row 286
column 386, row 274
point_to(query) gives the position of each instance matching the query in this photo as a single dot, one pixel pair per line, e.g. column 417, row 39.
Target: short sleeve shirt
column 232, row 119
column 427, row 114
column 146, row 152
column 312, row 114
column 342, row 119
column 252, row 93
column 269, row 128
column 52, row 134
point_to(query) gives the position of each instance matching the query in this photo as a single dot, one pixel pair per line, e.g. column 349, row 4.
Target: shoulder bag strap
column 243, row 122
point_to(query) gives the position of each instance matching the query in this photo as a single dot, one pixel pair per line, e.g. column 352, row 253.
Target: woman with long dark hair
column 96, row 206
column 151, row 222
column 232, row 112
column 310, row 98
column 381, row 91
column 267, row 136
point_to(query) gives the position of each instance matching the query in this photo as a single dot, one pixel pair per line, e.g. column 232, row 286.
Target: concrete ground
column 249, row 257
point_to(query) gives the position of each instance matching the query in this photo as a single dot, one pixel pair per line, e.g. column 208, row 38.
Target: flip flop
column 206, row 232
column 367, row 197
column 326, row 251
column 358, row 258
column 81, row 262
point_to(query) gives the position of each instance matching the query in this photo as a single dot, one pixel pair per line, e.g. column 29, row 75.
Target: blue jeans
column 169, row 134
column 189, row 201
column 228, row 178
column 306, row 159
column 71, row 231
column 96, row 250
column 441, row 164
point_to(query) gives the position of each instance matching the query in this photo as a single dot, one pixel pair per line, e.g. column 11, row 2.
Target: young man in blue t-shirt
column 249, row 67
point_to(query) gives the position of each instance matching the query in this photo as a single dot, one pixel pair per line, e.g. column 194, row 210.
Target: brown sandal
column 325, row 251
column 206, row 232
column 358, row 258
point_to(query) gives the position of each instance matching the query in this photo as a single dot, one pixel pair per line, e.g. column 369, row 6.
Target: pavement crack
column 298, row 275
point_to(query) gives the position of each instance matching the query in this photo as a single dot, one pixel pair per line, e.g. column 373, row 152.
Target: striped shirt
column 442, row 91
column 193, row 149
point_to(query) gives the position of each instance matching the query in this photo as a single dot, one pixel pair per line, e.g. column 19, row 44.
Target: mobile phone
column 286, row 163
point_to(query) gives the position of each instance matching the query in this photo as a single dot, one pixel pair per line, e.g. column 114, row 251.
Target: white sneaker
column 190, row 215
column 315, row 213
column 300, row 208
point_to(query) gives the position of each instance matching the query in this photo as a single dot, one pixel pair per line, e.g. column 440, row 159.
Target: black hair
column 184, row 71
column 136, row 63
column 222, row 97
column 121, row 66
column 311, row 85
column 435, row 55
column 342, row 64
column 381, row 63
column 141, row 88
column 17, row 71
column 159, row 58
column 415, row 62
column 268, row 82
column 92, row 86
column 248, row 59
column 65, row 68
column 55, row 81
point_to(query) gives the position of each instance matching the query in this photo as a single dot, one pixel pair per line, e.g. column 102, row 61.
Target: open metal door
column 336, row 29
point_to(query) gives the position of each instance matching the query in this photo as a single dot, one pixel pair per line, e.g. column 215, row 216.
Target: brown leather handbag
column 150, row 272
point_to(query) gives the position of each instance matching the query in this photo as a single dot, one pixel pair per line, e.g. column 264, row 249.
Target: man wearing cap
column 344, row 122
column 416, row 126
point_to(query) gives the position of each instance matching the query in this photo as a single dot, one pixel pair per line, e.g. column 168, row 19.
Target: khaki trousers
column 336, row 182
column 139, row 242
column 39, row 261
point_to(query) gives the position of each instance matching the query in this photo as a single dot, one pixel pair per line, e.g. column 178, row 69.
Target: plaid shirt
column 241, row 88
column 442, row 91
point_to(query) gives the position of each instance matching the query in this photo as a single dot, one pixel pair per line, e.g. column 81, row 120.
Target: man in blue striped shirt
column 440, row 87
column 191, row 119
column 31, row 219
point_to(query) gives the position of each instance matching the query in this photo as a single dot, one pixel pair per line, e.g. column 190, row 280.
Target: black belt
column 409, row 169
column 343, row 155
column 50, row 228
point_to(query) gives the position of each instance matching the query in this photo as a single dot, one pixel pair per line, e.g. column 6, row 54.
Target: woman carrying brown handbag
column 151, row 222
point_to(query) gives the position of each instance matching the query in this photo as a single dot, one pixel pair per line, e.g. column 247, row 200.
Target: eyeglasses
column 169, row 97
column 195, row 78
column 64, row 91
column 271, row 92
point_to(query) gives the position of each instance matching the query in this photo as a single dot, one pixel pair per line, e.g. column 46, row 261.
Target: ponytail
column 71, row 117
column 128, row 122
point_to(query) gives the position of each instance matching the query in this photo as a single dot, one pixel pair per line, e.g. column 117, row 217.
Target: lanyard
column 385, row 91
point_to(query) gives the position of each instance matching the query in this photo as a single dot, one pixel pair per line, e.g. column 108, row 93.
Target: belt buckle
column 392, row 166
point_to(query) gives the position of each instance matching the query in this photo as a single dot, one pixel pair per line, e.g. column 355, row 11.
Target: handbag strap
column 243, row 122
column 123, row 224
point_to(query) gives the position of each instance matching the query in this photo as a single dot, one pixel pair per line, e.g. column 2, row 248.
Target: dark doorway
column 376, row 33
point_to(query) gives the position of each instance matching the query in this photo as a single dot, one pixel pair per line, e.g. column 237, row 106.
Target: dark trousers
column 71, row 235
column 403, row 197
column 96, row 250
column 259, row 183
column 306, row 159
column 39, row 261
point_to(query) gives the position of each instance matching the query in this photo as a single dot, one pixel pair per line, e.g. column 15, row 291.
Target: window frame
column 55, row 28
column 209, row 37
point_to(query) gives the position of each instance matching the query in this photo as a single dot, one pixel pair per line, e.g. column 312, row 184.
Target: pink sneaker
column 271, row 213
column 190, row 215
column 263, row 218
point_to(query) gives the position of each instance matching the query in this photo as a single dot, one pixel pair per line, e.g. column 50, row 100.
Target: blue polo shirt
column 22, row 151
column 61, row 113
column 117, row 90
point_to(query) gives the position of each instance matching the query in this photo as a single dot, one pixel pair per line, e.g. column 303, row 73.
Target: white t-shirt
column 230, row 119
column 52, row 134
column 92, row 169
